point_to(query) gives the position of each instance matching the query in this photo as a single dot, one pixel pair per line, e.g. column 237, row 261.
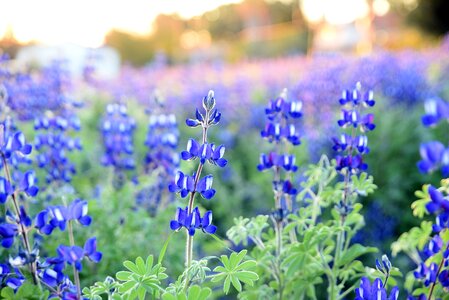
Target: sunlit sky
column 85, row 22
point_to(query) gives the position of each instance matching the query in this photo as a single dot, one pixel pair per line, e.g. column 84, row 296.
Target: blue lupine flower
column 427, row 274
column 206, row 223
column 117, row 129
column 444, row 278
column 28, row 184
column 433, row 247
column 77, row 210
column 183, row 219
column 15, row 143
column 73, row 255
column 433, row 156
column 5, row 190
column 436, row 110
column 53, row 144
column 441, row 222
column 287, row 162
column 51, row 218
column 90, row 250
column 7, row 234
column 375, row 291
column 193, row 221
column 185, row 184
column 352, row 163
column 438, row 201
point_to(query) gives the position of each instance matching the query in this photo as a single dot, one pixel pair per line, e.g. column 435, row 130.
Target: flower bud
column 209, row 101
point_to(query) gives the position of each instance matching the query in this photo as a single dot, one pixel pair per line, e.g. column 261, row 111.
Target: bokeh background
column 101, row 52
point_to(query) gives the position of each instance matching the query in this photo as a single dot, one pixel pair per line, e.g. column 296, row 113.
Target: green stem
column 33, row 265
column 189, row 239
column 76, row 276
column 429, row 297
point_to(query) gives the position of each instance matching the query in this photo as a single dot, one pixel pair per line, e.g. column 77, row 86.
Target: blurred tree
column 133, row 49
column 430, row 15
column 167, row 30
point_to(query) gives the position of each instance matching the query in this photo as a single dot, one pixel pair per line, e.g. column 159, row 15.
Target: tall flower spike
column 352, row 147
column 190, row 217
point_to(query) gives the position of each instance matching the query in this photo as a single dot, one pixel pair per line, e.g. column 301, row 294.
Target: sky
column 85, row 22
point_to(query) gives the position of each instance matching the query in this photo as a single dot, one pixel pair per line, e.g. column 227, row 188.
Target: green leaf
column 131, row 266
column 164, row 248
column 354, row 252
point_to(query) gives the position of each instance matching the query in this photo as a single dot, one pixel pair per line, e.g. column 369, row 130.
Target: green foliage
column 141, row 278
column 234, row 271
column 247, row 228
column 194, row 293
column 25, row 291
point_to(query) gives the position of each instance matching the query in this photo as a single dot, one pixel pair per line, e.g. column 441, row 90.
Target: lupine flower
column 193, row 221
column 57, row 216
column 185, row 184
column 15, row 143
column 28, row 184
column 5, row 190
column 438, row 201
column 183, row 219
column 77, row 210
column 287, row 162
column 7, row 234
column 117, row 128
column 354, row 146
column 375, row 291
column 433, row 156
column 427, row 274
column 90, row 250
column 53, row 144
column 436, row 110
column 73, row 255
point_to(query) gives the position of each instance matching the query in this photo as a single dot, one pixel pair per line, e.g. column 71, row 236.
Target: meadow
column 287, row 178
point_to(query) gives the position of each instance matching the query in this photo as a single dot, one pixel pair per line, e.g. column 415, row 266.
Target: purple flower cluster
column 54, row 143
column 353, row 146
column 434, row 155
column 374, row 291
column 281, row 130
column 117, row 128
column 186, row 185
column 161, row 158
column 430, row 272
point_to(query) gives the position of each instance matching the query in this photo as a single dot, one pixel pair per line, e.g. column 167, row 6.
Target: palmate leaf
column 419, row 206
column 25, row 291
column 354, row 252
column 363, row 184
column 142, row 278
column 234, row 271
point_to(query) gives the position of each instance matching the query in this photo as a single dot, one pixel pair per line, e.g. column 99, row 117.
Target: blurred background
column 101, row 52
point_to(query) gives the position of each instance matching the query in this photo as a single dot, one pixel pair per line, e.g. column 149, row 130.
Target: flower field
column 287, row 178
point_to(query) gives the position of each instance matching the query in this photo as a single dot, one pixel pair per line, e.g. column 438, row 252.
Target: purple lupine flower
column 5, row 190
column 28, row 184
column 193, row 221
column 183, row 219
column 355, row 145
column 436, row 110
column 437, row 201
column 118, row 128
column 433, row 156
column 183, row 184
column 73, row 255
column 7, row 234
column 375, row 291
column 427, row 274
column 90, row 250
column 204, row 187
column 77, row 210
column 206, row 223
column 15, row 143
